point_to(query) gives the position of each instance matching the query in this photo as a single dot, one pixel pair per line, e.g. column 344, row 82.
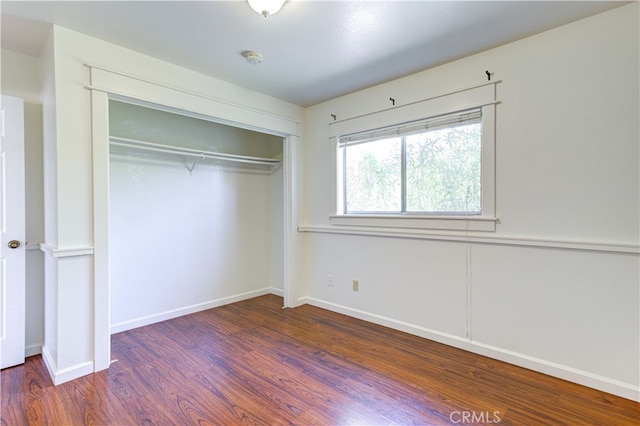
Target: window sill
column 449, row 223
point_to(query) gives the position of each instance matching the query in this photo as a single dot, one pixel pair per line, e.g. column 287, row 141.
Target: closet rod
column 154, row 147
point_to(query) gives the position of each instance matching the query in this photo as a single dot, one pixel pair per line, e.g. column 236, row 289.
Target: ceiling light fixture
column 252, row 57
column 266, row 7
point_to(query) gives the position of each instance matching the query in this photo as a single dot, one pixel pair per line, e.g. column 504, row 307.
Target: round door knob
column 14, row 244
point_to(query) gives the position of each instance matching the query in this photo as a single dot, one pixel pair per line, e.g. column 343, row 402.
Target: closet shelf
column 188, row 152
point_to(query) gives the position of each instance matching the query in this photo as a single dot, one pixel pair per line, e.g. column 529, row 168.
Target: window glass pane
column 444, row 170
column 372, row 174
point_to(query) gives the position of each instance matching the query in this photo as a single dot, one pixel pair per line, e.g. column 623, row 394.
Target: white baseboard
column 570, row 374
column 174, row 313
column 48, row 362
column 32, row 350
column 66, row 374
column 564, row 372
column 277, row 291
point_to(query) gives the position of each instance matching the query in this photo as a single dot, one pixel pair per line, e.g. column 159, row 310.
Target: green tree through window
column 428, row 171
column 444, row 170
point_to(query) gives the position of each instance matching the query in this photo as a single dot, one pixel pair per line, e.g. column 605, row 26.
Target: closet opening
column 196, row 214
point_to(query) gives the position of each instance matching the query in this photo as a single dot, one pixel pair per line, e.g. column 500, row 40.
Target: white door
column 12, row 232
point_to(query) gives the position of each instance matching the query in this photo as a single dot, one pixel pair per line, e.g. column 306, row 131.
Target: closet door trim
column 101, row 297
column 152, row 94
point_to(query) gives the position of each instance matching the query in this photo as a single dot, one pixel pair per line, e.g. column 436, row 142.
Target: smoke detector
column 252, row 57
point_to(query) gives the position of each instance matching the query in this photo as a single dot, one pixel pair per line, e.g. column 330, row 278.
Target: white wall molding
column 142, row 91
column 438, row 336
column 604, row 384
column 66, row 252
column 574, row 375
column 65, row 374
column 32, row 350
column 417, row 222
column 276, row 291
column 464, row 237
column 174, row 313
column 187, row 92
column 472, row 96
column 100, row 190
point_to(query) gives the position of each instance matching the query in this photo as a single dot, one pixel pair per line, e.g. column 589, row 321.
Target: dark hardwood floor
column 254, row 362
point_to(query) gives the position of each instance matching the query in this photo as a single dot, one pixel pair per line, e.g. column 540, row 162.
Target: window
column 426, row 164
column 429, row 167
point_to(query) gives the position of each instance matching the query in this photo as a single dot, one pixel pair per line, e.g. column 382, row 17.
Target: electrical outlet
column 330, row 280
column 356, row 285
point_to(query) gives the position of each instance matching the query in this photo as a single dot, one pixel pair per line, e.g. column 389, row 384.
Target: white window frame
column 481, row 96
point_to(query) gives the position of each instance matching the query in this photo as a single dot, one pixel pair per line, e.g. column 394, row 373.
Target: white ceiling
column 313, row 50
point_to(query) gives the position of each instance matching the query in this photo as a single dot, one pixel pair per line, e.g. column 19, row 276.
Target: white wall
column 556, row 287
column 20, row 77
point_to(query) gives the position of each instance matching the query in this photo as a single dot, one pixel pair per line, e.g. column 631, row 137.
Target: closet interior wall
column 188, row 232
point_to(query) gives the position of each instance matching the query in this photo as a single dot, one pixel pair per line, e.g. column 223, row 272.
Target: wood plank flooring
column 256, row 363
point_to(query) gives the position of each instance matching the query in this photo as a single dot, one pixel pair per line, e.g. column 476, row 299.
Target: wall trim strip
column 509, row 241
column 440, row 95
column 66, row 252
